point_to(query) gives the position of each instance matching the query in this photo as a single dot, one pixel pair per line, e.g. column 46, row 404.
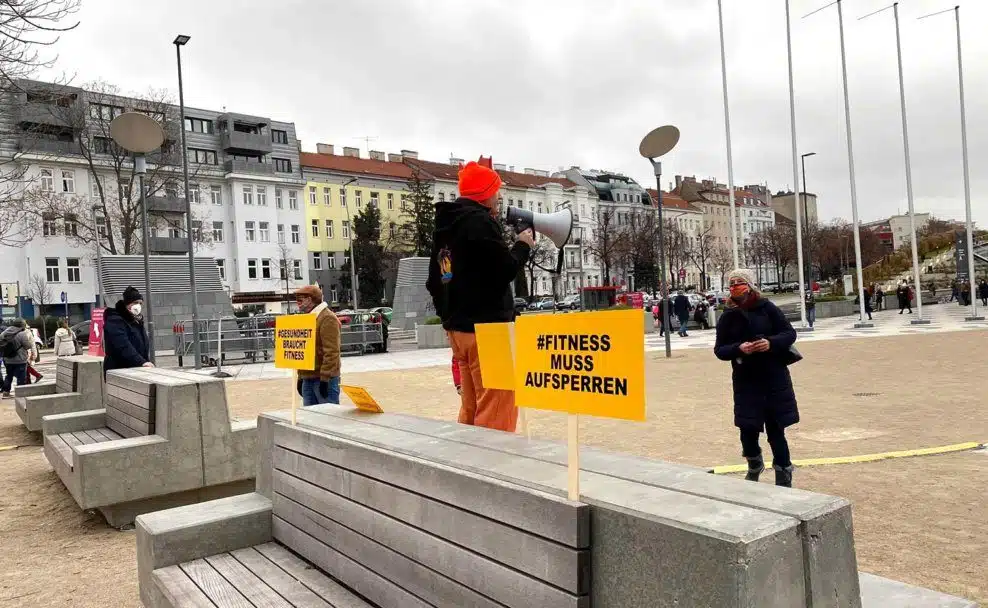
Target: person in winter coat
column 470, row 274
column 17, row 346
column 681, row 306
column 65, row 340
column 700, row 314
column 125, row 341
column 754, row 335
column 879, row 298
column 905, row 297
column 810, row 301
column 983, row 292
column 322, row 383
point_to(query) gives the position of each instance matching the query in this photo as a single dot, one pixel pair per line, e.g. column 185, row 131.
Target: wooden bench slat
column 129, row 421
column 180, row 590
column 214, row 585
column 141, row 413
column 108, row 434
column 327, row 588
column 249, row 584
column 142, row 400
column 64, row 386
column 69, row 439
column 83, row 437
column 121, row 429
column 288, row 586
column 127, row 383
column 61, row 446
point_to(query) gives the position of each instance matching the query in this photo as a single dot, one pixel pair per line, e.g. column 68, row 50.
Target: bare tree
column 40, row 293
column 700, row 252
column 543, row 254
column 286, row 265
column 605, row 243
column 721, row 258
column 779, row 245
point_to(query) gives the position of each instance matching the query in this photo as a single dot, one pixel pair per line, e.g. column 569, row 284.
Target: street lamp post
column 179, row 42
column 656, row 144
column 964, row 159
column 795, row 176
column 140, row 134
column 806, row 216
column 727, row 128
column 99, row 258
column 353, row 255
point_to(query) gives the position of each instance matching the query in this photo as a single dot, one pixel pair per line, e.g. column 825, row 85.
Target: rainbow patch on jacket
column 445, row 265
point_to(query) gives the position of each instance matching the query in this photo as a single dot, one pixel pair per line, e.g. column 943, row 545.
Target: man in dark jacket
column 904, row 294
column 125, row 341
column 681, row 306
column 983, row 292
column 470, row 274
column 17, row 348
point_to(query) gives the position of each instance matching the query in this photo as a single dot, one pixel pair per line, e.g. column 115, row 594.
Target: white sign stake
column 574, row 456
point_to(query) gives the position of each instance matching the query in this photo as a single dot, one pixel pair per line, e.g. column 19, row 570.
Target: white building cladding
column 536, row 191
column 245, row 183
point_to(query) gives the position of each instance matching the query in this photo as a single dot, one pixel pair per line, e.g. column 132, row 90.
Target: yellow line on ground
column 812, row 462
column 4, row 448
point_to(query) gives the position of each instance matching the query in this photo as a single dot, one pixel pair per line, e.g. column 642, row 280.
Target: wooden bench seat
column 264, row 575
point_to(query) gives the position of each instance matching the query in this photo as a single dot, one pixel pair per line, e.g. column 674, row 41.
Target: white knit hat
column 745, row 274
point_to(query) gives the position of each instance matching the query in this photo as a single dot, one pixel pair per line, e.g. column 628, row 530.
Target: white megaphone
column 557, row 226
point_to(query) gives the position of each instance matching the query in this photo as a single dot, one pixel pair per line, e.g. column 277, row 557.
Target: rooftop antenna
column 367, row 141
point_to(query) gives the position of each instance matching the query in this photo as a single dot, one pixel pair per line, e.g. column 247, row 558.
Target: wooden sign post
column 295, row 348
column 589, row 363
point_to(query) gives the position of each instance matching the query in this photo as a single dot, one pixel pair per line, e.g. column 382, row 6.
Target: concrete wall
column 412, row 302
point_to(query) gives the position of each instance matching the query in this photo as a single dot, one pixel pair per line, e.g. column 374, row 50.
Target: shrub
column 432, row 321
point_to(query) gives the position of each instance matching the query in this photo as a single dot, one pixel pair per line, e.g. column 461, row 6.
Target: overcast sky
column 558, row 83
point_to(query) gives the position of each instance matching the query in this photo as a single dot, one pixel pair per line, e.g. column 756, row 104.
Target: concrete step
column 879, row 592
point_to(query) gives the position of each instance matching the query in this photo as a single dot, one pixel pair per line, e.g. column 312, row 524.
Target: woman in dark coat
column 125, row 343
column 754, row 335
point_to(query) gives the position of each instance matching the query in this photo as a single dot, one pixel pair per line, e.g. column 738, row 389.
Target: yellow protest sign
column 362, row 399
column 496, row 351
column 590, row 363
column 295, row 342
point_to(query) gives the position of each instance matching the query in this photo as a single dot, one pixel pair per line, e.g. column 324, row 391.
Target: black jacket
column 471, row 268
column 124, row 340
column 681, row 306
column 762, row 384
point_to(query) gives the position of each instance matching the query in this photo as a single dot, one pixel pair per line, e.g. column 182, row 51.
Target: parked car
column 547, row 303
column 571, row 302
column 385, row 311
column 520, row 305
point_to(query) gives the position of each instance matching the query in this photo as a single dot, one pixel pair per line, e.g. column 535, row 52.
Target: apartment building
column 245, row 193
column 689, row 220
column 784, row 203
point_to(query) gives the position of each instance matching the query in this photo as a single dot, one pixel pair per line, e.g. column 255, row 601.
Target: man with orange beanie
column 470, row 275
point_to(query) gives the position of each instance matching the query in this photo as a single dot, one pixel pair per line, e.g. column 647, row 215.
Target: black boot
column 756, row 464
column 783, row 476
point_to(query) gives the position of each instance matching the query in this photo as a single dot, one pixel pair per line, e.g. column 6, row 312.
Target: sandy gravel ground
column 921, row 520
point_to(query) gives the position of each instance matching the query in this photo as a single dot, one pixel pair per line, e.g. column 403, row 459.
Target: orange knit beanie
column 478, row 183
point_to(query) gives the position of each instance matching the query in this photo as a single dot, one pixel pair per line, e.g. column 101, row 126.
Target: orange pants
column 479, row 406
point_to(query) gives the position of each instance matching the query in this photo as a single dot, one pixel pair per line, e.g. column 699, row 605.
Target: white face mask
column 135, row 309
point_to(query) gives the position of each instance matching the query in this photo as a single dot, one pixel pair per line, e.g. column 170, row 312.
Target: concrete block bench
column 78, row 386
column 164, row 439
column 340, row 523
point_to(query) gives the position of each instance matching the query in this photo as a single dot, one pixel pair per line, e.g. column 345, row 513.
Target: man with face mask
column 124, row 339
column 322, row 383
column 470, row 274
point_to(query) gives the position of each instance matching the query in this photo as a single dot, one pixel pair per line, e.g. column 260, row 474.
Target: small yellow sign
column 496, row 352
column 362, row 399
column 295, row 342
column 590, row 363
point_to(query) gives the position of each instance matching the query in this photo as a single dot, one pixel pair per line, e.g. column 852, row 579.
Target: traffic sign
column 65, row 297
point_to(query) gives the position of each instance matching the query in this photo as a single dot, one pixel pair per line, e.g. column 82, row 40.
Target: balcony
column 237, row 142
column 240, row 166
column 166, row 245
column 166, row 203
column 39, row 113
column 36, row 144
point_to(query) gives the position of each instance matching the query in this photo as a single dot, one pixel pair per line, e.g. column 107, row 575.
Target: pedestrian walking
column 700, row 314
column 321, row 384
column 754, row 335
column 35, row 358
column 879, row 298
column 17, row 347
column 810, row 301
column 966, row 293
column 983, row 292
column 681, row 306
column 66, row 343
column 904, row 295
column 470, row 274
column 125, row 341
column 867, row 302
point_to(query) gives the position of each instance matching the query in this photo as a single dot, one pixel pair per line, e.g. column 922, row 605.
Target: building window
column 281, row 234
column 71, row 226
column 265, row 232
column 330, row 261
column 68, row 182
column 317, row 260
column 262, row 196
column 296, row 237
column 293, row 199
column 315, row 229
column 174, row 232
column 265, row 269
column 101, row 226
column 216, row 195
column 346, row 229
column 441, row 197
column 327, row 197
column 217, row 232
column 194, row 194
column 342, row 197
column 277, row 199
column 249, row 230
column 51, row 270
column 198, row 125
column 251, row 269
column 329, row 229
column 312, row 195
column 282, row 165
column 392, row 230
column 359, row 195
column 248, row 195
column 104, row 145
column 203, row 157
column 374, row 199
column 332, row 295
column 99, row 111
column 297, row 265
column 72, row 270
column 221, row 268
column 279, row 137
column 283, row 269
column 47, row 181
column 197, row 231
column 404, row 202
column 391, row 201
